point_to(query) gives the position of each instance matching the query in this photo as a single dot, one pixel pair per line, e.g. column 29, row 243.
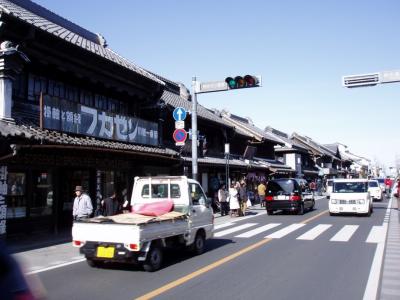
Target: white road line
column 371, row 290
column 55, row 267
column 223, row 225
column 234, row 229
column 258, row 230
column 345, row 233
column 284, row 231
column 314, row 232
column 377, row 234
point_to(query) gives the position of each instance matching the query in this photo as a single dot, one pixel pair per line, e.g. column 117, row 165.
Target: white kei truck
column 141, row 239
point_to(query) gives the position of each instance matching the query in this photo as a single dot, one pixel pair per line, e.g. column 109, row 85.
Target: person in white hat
column 83, row 207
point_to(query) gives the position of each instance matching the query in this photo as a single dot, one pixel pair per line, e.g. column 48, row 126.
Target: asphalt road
column 323, row 257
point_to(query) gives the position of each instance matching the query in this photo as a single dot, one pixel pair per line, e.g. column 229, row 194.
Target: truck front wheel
column 199, row 243
column 154, row 259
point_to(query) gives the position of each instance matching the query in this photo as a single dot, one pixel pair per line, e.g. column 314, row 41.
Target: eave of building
column 23, row 11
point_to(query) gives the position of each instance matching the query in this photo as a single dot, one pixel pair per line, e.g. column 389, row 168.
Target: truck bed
column 130, row 228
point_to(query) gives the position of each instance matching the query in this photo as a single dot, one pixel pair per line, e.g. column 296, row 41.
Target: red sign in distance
column 180, row 135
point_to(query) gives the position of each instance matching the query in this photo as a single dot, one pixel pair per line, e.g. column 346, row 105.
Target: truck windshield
column 161, row 191
column 350, row 187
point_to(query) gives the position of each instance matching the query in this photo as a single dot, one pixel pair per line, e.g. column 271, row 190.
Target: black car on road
column 288, row 194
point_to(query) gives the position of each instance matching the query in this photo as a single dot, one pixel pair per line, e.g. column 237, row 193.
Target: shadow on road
column 171, row 256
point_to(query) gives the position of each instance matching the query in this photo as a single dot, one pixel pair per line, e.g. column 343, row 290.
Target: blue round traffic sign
column 179, row 114
column 180, row 135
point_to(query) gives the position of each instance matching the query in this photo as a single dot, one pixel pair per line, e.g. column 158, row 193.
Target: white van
column 350, row 196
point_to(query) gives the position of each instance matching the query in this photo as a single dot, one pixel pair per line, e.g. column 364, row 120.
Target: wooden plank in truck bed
column 136, row 219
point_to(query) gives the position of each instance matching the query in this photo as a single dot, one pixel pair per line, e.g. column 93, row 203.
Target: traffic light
column 240, row 82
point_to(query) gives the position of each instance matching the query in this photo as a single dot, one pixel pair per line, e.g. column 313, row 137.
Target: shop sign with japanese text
column 67, row 116
column 3, row 204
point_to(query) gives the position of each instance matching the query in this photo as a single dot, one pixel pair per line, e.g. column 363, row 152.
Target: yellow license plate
column 105, row 252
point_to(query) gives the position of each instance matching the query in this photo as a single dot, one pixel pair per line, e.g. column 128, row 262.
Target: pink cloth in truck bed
column 153, row 208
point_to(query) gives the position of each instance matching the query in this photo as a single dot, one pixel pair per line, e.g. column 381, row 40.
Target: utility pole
column 194, row 129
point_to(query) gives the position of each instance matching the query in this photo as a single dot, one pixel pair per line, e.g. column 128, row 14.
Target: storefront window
column 42, row 196
column 16, row 198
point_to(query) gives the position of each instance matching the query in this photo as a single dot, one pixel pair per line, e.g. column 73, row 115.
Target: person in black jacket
column 111, row 206
column 242, row 198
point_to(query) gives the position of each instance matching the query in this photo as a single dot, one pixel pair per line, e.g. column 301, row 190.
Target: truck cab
column 186, row 194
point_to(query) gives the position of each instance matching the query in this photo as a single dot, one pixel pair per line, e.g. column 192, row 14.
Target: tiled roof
column 254, row 131
column 285, row 137
column 61, row 28
column 177, row 101
column 314, row 146
column 273, row 165
column 332, row 147
column 50, row 137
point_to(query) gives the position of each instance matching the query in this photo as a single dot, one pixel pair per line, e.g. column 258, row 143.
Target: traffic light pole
column 194, row 130
column 214, row 86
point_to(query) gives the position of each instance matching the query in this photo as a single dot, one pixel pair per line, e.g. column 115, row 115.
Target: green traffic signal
column 231, row 82
column 242, row 82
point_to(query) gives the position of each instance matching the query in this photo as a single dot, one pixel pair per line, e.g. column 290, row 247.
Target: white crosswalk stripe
column 284, row 231
column 314, row 232
column 223, row 225
column 234, row 229
column 258, row 230
column 345, row 233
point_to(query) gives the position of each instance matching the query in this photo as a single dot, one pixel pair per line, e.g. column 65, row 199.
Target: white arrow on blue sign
column 179, row 114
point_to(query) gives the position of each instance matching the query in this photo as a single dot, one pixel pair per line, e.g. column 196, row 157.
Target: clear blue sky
column 301, row 49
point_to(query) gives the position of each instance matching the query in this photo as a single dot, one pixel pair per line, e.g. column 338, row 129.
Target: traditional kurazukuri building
column 72, row 112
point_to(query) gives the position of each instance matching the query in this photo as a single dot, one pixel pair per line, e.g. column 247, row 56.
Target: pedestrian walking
column 223, row 200
column 242, row 198
column 261, row 188
column 388, row 185
column 112, row 206
column 83, row 207
column 233, row 200
column 313, row 187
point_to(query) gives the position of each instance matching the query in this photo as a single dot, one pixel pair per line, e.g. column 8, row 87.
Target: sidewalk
column 27, row 242
column 390, row 280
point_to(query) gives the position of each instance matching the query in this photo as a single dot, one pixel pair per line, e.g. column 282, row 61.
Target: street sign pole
column 194, row 129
